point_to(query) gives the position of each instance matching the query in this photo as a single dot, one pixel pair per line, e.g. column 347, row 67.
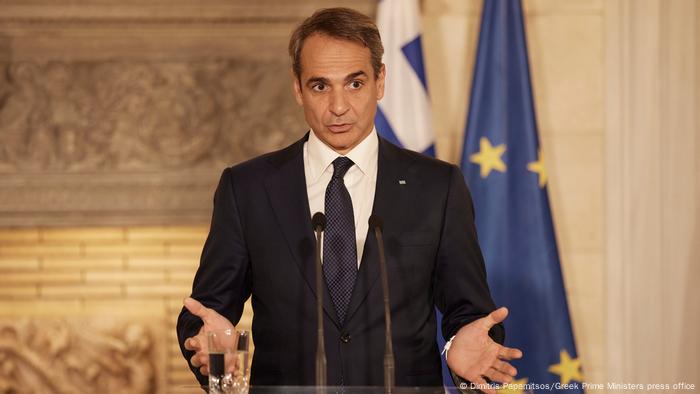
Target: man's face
column 338, row 90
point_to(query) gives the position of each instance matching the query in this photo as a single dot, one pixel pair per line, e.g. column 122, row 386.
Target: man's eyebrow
column 355, row 75
column 313, row 80
column 326, row 81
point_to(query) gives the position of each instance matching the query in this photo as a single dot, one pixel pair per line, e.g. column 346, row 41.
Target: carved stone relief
column 172, row 125
column 61, row 357
column 125, row 113
column 73, row 117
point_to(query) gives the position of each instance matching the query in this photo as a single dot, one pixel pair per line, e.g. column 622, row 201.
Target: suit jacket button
column 345, row 338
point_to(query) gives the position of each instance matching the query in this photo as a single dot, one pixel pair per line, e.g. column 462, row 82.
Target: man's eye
column 356, row 84
column 319, row 87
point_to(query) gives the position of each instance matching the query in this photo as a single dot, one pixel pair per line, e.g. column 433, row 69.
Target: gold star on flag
column 514, row 387
column 489, row 157
column 568, row 369
column 539, row 168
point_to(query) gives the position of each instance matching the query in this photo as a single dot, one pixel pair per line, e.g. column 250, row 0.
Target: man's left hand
column 474, row 356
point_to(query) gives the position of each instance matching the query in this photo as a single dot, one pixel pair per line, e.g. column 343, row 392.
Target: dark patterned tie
column 339, row 243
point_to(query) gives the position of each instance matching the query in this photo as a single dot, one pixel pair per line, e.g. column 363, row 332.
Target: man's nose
column 339, row 103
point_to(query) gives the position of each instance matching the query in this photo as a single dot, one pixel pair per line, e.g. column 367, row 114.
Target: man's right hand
column 198, row 343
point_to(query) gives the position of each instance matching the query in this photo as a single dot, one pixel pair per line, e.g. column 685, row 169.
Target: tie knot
column 341, row 165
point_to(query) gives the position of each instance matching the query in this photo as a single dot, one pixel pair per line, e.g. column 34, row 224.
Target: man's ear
column 380, row 82
column 297, row 88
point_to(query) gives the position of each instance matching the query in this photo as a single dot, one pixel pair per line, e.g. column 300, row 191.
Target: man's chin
column 342, row 142
column 341, row 145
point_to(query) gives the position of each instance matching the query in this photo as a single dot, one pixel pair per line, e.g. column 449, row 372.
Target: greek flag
column 403, row 116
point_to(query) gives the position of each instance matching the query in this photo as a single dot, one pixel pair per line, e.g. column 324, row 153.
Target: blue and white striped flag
column 403, row 116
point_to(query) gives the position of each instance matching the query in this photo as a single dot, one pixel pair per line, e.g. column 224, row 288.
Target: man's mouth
column 340, row 127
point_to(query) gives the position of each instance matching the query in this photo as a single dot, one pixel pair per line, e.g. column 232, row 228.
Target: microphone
column 318, row 223
column 376, row 223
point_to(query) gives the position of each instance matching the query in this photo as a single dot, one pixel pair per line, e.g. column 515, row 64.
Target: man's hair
column 341, row 23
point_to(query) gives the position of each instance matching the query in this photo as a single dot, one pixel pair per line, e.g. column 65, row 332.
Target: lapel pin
column 402, row 182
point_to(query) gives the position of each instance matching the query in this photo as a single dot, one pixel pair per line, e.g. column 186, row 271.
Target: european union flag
column 504, row 168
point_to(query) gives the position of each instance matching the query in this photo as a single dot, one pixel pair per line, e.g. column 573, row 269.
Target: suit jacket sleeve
column 461, row 291
column 222, row 281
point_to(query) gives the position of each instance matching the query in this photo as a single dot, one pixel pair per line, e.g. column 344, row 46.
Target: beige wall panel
column 584, row 274
column 587, row 317
column 10, row 307
column 566, row 59
column 566, row 66
column 562, row 7
column 691, row 363
column 574, row 164
column 450, row 32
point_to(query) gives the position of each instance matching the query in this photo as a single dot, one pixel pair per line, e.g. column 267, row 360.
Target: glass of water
column 228, row 361
column 240, row 374
column 222, row 345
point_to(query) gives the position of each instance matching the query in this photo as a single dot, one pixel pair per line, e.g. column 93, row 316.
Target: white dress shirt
column 360, row 180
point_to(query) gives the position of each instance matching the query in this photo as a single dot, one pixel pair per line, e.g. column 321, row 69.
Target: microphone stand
column 389, row 367
column 319, row 224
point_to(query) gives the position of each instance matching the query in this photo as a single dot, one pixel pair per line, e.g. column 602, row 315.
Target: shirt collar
column 321, row 156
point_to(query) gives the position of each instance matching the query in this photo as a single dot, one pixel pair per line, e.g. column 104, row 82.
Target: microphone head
column 376, row 222
column 318, row 220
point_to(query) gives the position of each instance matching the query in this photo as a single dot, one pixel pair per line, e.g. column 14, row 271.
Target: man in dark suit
column 261, row 242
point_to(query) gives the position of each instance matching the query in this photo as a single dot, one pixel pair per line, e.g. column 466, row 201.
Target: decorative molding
column 179, row 11
column 61, row 357
column 140, row 142
column 103, row 117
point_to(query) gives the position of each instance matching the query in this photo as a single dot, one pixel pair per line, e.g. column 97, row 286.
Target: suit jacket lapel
column 389, row 201
column 286, row 189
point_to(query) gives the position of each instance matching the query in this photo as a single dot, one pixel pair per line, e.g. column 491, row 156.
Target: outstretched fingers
column 505, row 368
column 497, row 376
column 509, row 353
